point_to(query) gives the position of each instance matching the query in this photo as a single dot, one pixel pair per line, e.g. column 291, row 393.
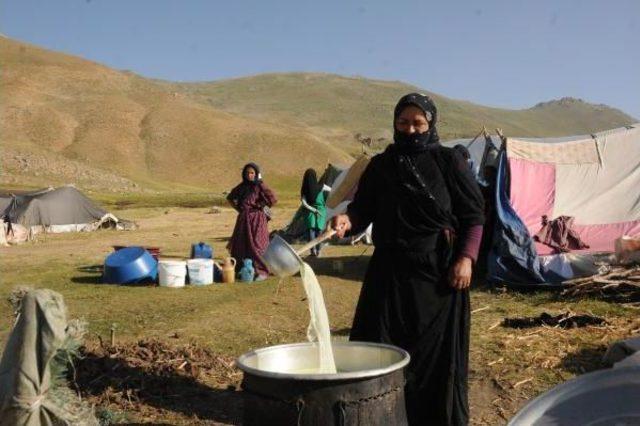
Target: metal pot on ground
column 280, row 387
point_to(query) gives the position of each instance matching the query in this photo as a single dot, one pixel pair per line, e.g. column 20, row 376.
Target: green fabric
column 317, row 220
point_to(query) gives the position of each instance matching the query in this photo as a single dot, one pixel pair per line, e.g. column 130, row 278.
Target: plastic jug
column 201, row 251
column 247, row 272
column 228, row 269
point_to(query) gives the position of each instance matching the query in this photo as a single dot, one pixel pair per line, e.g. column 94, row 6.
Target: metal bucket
column 279, row 385
column 281, row 259
column 608, row 397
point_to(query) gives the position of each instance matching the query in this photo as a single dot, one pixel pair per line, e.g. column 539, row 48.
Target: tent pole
column 484, row 130
column 502, row 138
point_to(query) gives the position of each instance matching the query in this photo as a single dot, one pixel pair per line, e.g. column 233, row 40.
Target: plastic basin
column 129, row 265
column 154, row 251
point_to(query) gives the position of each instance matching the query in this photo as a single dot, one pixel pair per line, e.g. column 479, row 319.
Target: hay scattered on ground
column 135, row 377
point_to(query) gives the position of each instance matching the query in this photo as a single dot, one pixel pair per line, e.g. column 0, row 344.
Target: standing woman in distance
column 313, row 196
column 427, row 215
column 251, row 199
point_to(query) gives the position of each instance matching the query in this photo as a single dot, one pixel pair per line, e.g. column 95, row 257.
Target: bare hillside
column 69, row 120
column 121, row 126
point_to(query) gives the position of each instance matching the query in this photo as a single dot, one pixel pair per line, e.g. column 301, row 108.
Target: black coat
column 406, row 299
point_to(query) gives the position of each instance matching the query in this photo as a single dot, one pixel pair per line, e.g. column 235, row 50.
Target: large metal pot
column 608, row 397
column 280, row 388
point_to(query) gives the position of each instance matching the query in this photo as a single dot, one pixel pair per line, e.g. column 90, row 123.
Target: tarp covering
column 26, row 396
column 623, row 353
column 513, row 258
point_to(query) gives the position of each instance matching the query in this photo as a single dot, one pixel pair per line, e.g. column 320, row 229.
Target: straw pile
column 618, row 284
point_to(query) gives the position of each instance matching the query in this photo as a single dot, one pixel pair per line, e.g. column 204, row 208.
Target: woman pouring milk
column 427, row 215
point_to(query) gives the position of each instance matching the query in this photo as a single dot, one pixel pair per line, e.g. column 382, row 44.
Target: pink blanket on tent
column 539, row 198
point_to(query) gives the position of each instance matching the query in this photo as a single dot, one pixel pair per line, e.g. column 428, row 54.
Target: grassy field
column 508, row 366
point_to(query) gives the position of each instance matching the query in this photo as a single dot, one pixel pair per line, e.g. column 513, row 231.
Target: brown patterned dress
column 251, row 234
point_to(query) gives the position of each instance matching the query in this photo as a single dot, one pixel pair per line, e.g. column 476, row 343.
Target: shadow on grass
column 341, row 332
column 91, row 269
column 584, row 360
column 115, row 380
column 96, row 277
column 221, row 239
column 345, row 267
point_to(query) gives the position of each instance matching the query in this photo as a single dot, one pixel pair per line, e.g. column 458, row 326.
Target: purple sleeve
column 470, row 242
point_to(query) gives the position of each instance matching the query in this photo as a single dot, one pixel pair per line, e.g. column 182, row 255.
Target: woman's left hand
column 460, row 273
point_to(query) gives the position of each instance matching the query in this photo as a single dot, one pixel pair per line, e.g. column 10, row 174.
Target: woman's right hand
column 341, row 224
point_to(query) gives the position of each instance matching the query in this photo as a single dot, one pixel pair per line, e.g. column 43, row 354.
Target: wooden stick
column 476, row 137
column 316, row 241
column 480, row 309
column 496, row 361
column 113, row 335
column 495, row 325
column 522, row 382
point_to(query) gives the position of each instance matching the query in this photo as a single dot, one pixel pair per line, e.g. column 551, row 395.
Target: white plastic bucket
column 172, row 273
column 200, row 271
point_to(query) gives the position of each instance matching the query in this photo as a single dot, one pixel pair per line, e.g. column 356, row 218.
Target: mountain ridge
column 123, row 132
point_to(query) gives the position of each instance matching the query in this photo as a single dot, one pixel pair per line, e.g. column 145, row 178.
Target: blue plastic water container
column 201, row 251
column 129, row 265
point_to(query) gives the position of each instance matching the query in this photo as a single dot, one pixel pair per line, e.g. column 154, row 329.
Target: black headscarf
column 310, row 186
column 416, row 142
column 247, row 186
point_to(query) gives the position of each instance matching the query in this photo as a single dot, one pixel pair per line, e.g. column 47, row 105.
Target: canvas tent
column 592, row 178
column 64, row 209
column 342, row 192
column 483, row 149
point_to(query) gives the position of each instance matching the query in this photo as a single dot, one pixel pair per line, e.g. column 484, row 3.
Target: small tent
column 594, row 179
column 64, row 209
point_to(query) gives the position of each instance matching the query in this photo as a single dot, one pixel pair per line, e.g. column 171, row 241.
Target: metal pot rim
column 240, row 362
column 572, row 387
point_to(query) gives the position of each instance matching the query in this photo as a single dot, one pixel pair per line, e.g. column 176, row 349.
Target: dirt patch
column 161, row 382
column 492, row 401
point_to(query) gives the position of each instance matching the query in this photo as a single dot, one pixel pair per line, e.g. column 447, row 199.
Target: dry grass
column 508, row 366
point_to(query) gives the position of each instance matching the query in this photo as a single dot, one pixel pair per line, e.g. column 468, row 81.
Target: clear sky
column 507, row 53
